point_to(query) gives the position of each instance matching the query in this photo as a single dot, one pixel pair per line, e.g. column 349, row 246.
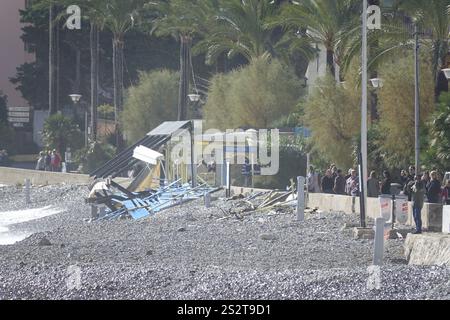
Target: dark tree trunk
column 51, row 63
column 94, row 43
column 76, row 87
column 185, row 73
column 440, row 57
column 330, row 62
column 118, row 47
column 57, row 67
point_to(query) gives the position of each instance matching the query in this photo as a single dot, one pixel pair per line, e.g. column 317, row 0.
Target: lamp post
column 76, row 99
column 416, row 97
column 377, row 83
column 364, row 116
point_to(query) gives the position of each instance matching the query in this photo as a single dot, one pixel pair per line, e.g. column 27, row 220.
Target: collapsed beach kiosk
column 160, row 170
column 154, row 185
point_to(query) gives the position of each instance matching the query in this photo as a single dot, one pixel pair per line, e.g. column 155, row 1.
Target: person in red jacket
column 56, row 161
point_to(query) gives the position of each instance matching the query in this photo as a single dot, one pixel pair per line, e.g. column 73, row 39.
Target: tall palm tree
column 432, row 18
column 432, row 15
column 119, row 17
column 329, row 23
column 53, row 108
column 183, row 20
column 240, row 28
column 95, row 22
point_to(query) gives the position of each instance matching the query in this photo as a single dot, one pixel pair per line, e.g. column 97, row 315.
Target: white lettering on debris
column 74, row 20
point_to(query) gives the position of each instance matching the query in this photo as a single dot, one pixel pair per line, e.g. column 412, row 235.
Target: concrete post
column 301, row 199
column 27, row 191
column 207, row 200
column 228, row 179
column 379, row 242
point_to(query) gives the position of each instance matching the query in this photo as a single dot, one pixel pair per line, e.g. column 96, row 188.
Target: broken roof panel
column 153, row 140
column 169, row 128
column 147, row 155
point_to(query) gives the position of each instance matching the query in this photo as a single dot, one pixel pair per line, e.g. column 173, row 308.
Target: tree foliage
column 61, row 133
column 332, row 112
column 239, row 28
column 329, row 23
column 96, row 155
column 149, row 103
column 254, row 96
column 396, row 107
column 440, row 133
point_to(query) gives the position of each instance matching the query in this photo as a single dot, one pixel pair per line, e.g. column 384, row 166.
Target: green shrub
column 396, row 108
column 254, row 96
column 332, row 112
column 152, row 101
column 106, row 111
column 61, row 133
column 94, row 156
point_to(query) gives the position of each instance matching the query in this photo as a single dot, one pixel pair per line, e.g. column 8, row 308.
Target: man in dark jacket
column 339, row 183
column 386, row 183
column 418, row 195
column 409, row 183
column 327, row 182
column 434, row 189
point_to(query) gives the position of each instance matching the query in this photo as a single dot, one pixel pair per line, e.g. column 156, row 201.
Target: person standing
column 409, row 183
column 68, row 159
column 40, row 165
column 313, row 181
column 434, row 189
column 339, row 183
column 418, row 196
column 403, row 178
column 373, row 186
column 328, row 182
column 426, row 180
column 55, row 161
column 386, row 183
column 352, row 184
column 334, row 171
column 48, row 161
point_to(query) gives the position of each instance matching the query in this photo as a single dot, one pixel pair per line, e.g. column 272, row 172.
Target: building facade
column 12, row 49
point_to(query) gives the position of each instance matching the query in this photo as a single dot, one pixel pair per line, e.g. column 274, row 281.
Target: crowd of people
column 419, row 188
column 49, row 161
column 334, row 182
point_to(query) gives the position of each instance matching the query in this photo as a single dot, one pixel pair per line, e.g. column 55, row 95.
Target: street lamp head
column 75, row 98
column 447, row 73
column 194, row 97
column 377, row 82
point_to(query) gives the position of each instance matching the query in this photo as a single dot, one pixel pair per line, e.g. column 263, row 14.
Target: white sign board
column 19, row 109
column 16, row 119
column 18, row 114
column 401, row 210
column 385, row 208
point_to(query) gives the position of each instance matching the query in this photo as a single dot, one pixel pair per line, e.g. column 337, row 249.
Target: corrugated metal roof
column 169, row 128
column 153, row 140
